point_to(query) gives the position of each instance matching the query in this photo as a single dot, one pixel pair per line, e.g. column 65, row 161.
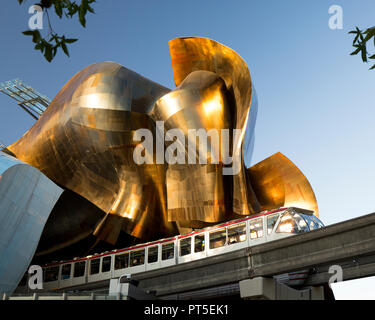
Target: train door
column 66, row 275
column 168, row 253
column 137, row 260
column 121, row 264
column 106, row 267
column 185, row 246
column 217, row 241
column 257, row 231
column 93, row 270
column 271, row 224
column 79, row 272
column 237, row 236
column 153, row 257
column 51, row 277
column 199, row 246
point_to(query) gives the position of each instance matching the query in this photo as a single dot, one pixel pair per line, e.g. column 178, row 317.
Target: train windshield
column 292, row 222
column 313, row 222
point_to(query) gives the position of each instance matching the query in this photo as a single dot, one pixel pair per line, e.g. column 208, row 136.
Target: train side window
column 199, row 243
column 256, row 228
column 65, row 271
column 152, row 254
column 218, row 238
column 167, row 251
column 122, row 261
column 51, row 273
column 79, row 269
column 271, row 221
column 94, row 266
column 137, row 257
column 237, row 233
column 106, row 264
column 185, row 246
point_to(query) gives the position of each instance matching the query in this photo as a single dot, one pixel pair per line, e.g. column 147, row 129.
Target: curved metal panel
column 72, row 219
column 197, row 192
column 26, row 200
column 84, row 142
column 193, row 54
column 278, row 182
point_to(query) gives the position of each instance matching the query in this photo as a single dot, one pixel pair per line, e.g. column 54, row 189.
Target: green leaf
column 36, row 37
column 356, row 51
column 48, row 53
column 90, row 9
column 39, row 46
column 70, row 40
column 364, row 53
column 82, row 13
column 58, row 8
column 28, row 33
column 35, row 33
column 65, row 49
column 373, row 67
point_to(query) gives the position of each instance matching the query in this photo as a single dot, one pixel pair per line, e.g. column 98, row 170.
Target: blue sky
column 316, row 102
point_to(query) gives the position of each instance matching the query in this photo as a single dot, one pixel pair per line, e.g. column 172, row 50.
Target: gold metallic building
column 85, row 142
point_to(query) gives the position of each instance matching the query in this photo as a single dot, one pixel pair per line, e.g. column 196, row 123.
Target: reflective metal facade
column 84, row 142
column 27, row 198
column 278, row 182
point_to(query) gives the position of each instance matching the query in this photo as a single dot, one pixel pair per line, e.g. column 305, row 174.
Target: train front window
column 320, row 224
column 167, row 251
column 237, row 233
column 301, row 223
column 137, row 258
column 218, row 238
column 122, row 261
column 185, row 246
column 271, row 221
column 312, row 221
column 152, row 254
column 256, row 228
column 94, row 266
column 292, row 223
column 199, row 243
column 65, row 271
column 51, row 274
column 79, row 269
column 106, row 264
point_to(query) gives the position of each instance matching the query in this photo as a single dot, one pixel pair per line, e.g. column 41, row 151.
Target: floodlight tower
column 27, row 97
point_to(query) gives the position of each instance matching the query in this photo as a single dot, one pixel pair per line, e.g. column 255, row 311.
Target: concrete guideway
column 338, row 244
column 349, row 244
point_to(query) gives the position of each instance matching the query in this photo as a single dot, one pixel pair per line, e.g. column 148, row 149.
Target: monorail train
column 211, row 241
